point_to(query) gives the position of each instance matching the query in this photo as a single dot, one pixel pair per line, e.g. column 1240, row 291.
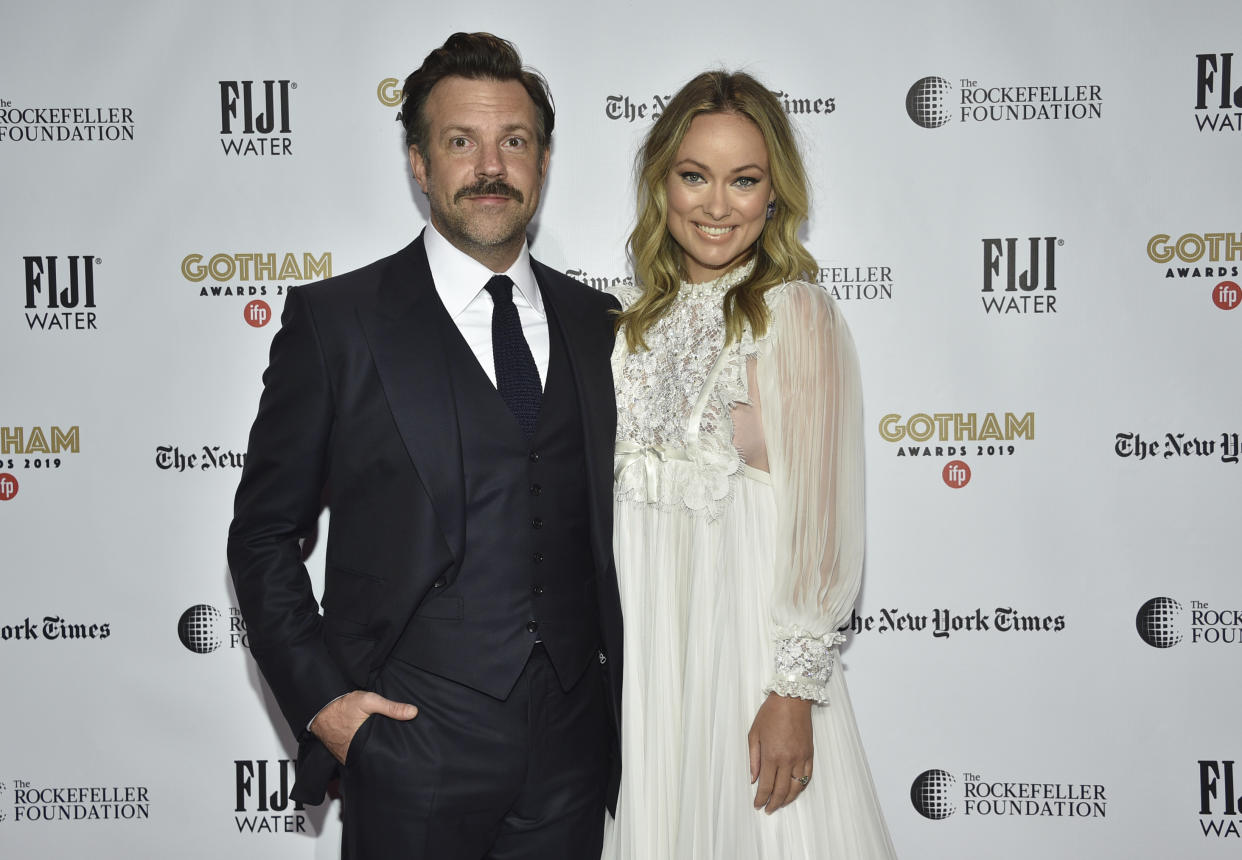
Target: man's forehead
column 454, row 100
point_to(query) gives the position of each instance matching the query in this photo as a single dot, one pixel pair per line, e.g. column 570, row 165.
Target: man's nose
column 490, row 162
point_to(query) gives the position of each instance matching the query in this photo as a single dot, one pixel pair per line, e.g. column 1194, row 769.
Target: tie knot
column 501, row 288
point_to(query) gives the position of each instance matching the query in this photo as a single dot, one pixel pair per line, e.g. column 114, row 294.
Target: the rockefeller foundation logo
column 1163, row 622
column 938, row 794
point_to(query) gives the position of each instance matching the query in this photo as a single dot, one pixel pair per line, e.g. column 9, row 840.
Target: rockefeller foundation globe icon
column 1157, row 622
column 927, row 103
column 199, row 629
column 930, row 794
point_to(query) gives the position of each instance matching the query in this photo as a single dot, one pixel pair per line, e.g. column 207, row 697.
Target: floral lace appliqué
column 804, row 664
column 674, row 427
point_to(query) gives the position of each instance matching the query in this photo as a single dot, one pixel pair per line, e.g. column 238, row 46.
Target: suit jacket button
column 534, row 456
column 439, row 583
column 532, row 626
column 536, row 523
column 536, row 589
column 536, row 490
column 537, row 557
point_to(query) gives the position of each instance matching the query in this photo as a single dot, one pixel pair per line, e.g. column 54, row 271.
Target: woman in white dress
column 739, row 505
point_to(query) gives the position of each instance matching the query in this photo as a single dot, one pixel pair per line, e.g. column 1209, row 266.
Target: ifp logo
column 257, row 313
column 956, row 474
column 1226, row 295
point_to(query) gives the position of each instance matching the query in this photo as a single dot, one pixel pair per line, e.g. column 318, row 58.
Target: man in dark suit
column 453, row 406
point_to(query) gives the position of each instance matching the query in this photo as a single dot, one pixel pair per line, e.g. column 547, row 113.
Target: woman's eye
column 746, row 181
column 691, row 176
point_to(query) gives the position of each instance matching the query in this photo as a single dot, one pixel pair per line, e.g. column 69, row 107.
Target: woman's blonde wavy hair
column 658, row 259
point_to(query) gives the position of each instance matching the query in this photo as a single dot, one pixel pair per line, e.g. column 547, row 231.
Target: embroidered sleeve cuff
column 804, row 664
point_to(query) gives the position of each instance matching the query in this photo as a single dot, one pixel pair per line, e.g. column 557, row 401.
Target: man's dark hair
column 475, row 56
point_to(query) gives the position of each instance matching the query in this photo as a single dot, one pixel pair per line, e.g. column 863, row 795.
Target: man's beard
column 464, row 230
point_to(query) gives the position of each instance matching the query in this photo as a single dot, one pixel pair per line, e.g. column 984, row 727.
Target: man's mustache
column 489, row 188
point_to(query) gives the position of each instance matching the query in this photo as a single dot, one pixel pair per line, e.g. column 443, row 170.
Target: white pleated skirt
column 698, row 653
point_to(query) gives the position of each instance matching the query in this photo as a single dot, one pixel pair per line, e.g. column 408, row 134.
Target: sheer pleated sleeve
column 809, row 387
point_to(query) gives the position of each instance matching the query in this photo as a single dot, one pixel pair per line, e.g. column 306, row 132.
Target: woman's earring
column 771, row 209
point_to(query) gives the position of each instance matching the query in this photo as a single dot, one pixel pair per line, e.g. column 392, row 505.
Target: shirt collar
column 459, row 278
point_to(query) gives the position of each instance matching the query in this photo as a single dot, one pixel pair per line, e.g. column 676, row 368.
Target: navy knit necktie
column 517, row 378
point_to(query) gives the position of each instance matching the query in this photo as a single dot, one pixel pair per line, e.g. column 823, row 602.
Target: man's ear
column 418, row 166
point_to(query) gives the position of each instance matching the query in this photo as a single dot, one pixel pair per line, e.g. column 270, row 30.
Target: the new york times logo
column 54, row 628
column 1219, row 802
column 600, row 282
column 1178, row 446
column 1030, row 275
column 624, row 108
column 65, row 124
column 943, row 622
column 930, row 102
column 935, row 795
column 203, row 629
column 1162, row 622
column 263, row 802
column 1217, row 102
column 170, row 458
column 254, row 120
column 60, row 292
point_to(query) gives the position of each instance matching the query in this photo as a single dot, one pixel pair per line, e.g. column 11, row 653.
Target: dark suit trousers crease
column 475, row 778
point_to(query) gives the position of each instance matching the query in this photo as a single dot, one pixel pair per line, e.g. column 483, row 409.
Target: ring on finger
column 801, row 779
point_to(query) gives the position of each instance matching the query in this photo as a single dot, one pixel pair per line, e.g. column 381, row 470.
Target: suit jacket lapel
column 591, row 371
column 406, row 335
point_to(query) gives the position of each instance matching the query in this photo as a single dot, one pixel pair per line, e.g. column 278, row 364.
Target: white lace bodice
column 674, row 428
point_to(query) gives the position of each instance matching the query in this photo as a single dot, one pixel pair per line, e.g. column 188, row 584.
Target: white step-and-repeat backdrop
column 1029, row 212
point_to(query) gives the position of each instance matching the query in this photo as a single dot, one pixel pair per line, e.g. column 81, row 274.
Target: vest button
column 536, row 589
column 536, row 523
column 536, row 557
column 534, row 456
column 440, row 583
column 536, row 490
column 532, row 626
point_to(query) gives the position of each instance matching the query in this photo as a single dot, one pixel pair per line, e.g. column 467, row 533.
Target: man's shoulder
column 348, row 285
column 359, row 287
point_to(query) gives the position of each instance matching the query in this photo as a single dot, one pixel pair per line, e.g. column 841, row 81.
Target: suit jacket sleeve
column 277, row 506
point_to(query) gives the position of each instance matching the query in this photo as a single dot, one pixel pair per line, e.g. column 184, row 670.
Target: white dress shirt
column 460, row 279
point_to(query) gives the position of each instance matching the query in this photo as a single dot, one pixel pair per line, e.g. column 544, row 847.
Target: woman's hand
column 781, row 750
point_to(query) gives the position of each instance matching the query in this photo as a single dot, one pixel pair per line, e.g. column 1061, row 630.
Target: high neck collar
column 723, row 284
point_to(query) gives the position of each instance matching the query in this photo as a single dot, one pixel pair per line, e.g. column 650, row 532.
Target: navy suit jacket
column 357, row 413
